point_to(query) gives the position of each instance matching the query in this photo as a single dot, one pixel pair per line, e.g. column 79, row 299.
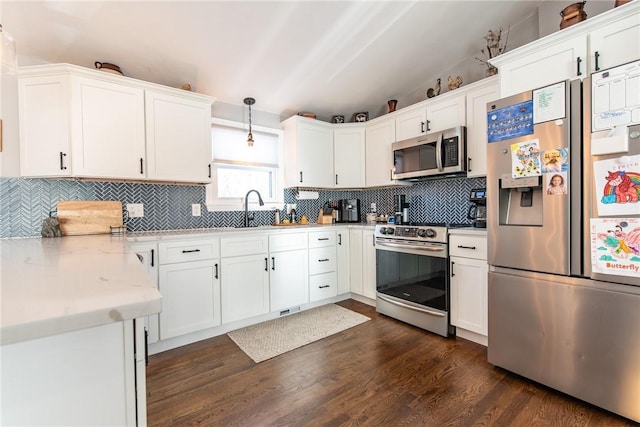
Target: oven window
column 416, row 278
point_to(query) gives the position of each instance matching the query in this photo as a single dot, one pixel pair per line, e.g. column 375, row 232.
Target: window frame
column 214, row 203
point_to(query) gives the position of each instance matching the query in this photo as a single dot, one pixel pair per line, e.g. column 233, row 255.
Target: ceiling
column 324, row 57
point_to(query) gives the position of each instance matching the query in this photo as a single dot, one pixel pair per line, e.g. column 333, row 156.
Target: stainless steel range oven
column 412, row 280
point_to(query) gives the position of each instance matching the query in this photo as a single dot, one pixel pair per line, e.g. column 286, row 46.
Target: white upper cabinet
column 432, row 115
column 378, row 153
column 446, row 111
column 616, row 43
column 478, row 96
column 87, row 123
column 348, row 146
column 411, row 122
column 107, row 129
column 174, row 123
column 606, row 40
column 565, row 59
column 45, row 148
column 308, row 153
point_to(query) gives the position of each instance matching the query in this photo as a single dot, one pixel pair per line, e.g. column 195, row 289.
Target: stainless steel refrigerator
column 563, row 228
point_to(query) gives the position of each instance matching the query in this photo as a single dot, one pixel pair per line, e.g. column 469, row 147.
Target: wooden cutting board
column 79, row 217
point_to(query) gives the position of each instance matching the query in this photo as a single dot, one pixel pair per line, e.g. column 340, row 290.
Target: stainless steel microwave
column 438, row 153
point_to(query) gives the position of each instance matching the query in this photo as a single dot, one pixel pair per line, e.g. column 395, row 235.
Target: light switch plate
column 135, row 210
column 195, row 209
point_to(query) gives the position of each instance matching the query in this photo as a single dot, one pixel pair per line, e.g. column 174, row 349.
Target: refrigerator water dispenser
column 520, row 200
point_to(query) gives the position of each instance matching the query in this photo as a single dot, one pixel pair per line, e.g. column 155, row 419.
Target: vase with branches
column 495, row 45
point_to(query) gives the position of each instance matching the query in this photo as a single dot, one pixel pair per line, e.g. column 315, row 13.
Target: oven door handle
column 405, row 246
column 421, row 310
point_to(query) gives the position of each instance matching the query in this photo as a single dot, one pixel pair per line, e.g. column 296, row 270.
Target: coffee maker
column 478, row 209
column 348, row 210
column 401, row 209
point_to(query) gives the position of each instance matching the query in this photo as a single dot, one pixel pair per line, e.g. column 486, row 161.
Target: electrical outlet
column 291, row 206
column 135, row 210
column 195, row 209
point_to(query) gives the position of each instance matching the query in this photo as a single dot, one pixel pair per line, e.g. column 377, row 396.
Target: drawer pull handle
column 152, row 257
column 322, row 238
column 452, row 273
column 323, row 286
column 216, row 266
column 273, row 263
column 190, row 250
column 323, row 260
column 467, row 247
column 340, row 239
column 266, row 264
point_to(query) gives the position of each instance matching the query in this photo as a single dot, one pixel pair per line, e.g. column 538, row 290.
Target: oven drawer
column 322, row 260
column 322, row 286
column 468, row 246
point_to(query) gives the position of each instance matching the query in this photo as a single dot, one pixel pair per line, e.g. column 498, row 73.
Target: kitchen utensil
column 78, row 217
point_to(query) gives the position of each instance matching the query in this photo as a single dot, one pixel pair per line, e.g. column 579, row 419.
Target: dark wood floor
column 380, row 373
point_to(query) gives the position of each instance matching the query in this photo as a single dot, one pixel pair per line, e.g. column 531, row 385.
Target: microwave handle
column 439, row 152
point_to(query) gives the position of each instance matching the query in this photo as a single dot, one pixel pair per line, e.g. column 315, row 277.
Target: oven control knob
column 429, row 232
column 387, row 230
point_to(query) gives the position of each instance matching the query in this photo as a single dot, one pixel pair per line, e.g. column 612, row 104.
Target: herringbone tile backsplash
column 24, row 203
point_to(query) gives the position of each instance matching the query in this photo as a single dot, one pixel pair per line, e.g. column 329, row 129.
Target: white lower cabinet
column 369, row 263
column 147, row 252
column 190, row 286
column 468, row 274
column 342, row 261
column 288, row 270
column 322, row 286
column 362, row 262
column 80, row 378
column 245, row 277
column 322, row 265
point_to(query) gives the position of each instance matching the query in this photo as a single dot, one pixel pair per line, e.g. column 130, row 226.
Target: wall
column 25, row 202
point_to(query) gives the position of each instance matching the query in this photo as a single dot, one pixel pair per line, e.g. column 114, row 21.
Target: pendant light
column 249, row 102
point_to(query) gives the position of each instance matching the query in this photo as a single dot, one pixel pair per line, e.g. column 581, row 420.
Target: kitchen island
column 72, row 352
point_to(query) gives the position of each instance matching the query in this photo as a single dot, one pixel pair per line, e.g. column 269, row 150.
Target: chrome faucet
column 246, row 206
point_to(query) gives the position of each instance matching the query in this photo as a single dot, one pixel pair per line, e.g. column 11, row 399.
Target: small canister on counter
column 371, row 217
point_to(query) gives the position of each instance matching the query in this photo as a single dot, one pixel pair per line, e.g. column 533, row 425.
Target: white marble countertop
column 155, row 235
column 51, row 286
